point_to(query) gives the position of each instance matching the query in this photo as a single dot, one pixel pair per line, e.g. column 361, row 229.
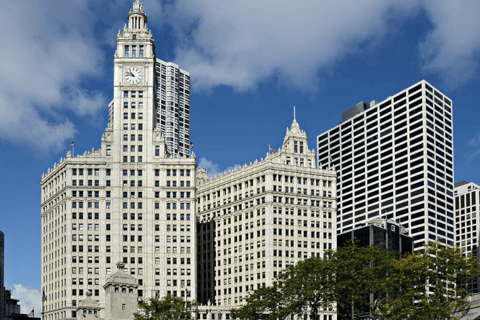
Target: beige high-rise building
column 131, row 201
column 467, row 222
column 256, row 220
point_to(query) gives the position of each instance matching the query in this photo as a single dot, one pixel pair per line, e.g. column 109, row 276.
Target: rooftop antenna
column 294, row 117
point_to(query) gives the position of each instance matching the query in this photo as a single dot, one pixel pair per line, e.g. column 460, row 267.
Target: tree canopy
column 428, row 284
column 168, row 308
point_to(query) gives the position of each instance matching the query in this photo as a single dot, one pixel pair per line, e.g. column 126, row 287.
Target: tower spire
column 137, row 19
column 294, row 116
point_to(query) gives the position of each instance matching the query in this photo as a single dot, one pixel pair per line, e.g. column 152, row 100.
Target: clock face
column 133, row 75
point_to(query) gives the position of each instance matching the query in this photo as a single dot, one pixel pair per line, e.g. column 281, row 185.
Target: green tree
column 306, row 288
column 263, row 303
column 298, row 289
column 345, row 278
column 429, row 284
column 357, row 278
column 168, row 308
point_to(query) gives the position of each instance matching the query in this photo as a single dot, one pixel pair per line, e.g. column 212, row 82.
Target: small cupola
column 137, row 19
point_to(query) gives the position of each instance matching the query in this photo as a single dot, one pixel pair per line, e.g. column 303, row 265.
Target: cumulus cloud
column 50, row 49
column 30, row 297
column 452, row 48
column 47, row 50
column 213, row 169
column 242, row 43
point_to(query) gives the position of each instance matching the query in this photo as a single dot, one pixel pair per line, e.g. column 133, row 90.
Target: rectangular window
column 141, row 51
column 134, row 51
column 127, row 51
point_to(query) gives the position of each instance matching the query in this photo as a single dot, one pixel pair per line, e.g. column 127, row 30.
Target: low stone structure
column 474, row 312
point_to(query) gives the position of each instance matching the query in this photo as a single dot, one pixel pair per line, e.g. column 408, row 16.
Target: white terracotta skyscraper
column 132, row 200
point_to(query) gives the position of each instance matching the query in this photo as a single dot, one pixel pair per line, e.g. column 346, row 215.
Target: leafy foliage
column 305, row 288
column 263, row 303
column 429, row 284
column 168, row 308
column 358, row 277
column 373, row 281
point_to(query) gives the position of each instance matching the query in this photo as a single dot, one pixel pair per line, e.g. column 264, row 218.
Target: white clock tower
column 131, row 201
column 134, row 76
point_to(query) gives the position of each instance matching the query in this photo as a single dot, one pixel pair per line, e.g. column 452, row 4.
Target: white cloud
column 50, row 49
column 47, row 50
column 30, row 297
column 473, row 149
column 213, row 169
column 242, row 43
column 452, row 48
column 475, row 142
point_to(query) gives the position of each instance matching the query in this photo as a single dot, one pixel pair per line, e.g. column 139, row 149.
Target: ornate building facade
column 256, row 220
column 132, row 200
column 137, row 200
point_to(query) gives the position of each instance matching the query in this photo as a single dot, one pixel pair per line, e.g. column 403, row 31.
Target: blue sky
column 250, row 63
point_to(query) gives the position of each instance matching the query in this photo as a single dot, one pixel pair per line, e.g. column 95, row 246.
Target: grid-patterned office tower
column 256, row 220
column 173, row 100
column 467, row 208
column 130, row 201
column 394, row 160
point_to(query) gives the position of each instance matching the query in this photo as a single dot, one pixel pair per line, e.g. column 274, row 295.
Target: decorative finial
column 88, row 293
column 294, row 116
column 120, row 265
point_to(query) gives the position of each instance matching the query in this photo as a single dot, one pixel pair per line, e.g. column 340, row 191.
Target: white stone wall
column 256, row 220
column 120, row 212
